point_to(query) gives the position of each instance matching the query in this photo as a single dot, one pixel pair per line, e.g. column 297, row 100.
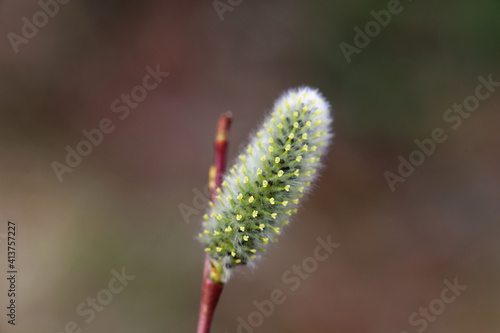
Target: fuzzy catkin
column 263, row 188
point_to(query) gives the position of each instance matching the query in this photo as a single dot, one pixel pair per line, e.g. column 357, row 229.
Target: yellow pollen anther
column 296, row 172
column 218, row 248
column 305, row 147
column 313, row 148
column 263, row 158
column 284, row 203
column 245, row 238
column 295, row 201
column 304, row 108
column 280, row 173
column 242, row 158
column 253, row 250
column 245, row 180
column 206, row 232
column 262, row 226
column 291, row 136
column 233, row 254
column 299, row 158
column 207, row 249
column 229, row 198
column 287, row 188
column 264, row 183
column 251, row 199
column 304, row 136
column 255, row 213
column 216, row 233
column 273, row 215
column 280, row 126
column 219, row 217
column 218, row 197
column 288, row 147
column 259, row 135
column 296, row 114
column 240, row 196
column 271, row 149
column 242, row 228
column 238, row 217
column 277, row 160
column 308, row 123
column 271, row 140
column 271, row 201
column 205, row 217
column 259, row 171
column 228, row 229
column 295, row 124
column 238, row 180
column 265, row 240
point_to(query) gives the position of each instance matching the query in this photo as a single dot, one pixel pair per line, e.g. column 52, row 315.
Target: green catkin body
column 263, row 189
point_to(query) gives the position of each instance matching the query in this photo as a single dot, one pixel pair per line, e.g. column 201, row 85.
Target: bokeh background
column 120, row 207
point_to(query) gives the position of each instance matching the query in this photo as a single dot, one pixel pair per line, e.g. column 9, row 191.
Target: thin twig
column 211, row 289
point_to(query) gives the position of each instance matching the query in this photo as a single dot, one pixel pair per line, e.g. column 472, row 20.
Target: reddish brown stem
column 210, row 289
column 210, row 293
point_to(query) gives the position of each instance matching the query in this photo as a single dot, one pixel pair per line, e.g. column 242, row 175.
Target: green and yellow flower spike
column 268, row 180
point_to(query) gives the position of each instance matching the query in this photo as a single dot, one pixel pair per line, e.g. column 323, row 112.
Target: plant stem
column 211, row 288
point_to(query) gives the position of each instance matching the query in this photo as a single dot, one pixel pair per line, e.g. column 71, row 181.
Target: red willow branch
column 211, row 288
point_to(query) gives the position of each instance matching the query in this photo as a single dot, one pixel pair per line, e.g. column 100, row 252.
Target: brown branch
column 211, row 289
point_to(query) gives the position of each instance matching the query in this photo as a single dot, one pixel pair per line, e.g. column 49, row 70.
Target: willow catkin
column 263, row 189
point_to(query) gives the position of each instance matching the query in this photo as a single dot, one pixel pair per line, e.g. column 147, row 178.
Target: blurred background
column 122, row 205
